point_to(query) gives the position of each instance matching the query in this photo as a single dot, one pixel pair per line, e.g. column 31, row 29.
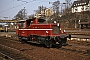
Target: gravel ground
column 42, row 53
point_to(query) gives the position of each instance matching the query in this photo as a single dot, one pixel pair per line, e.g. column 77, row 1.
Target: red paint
column 35, row 28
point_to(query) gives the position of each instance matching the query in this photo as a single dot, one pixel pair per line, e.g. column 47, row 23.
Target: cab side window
column 28, row 22
column 22, row 25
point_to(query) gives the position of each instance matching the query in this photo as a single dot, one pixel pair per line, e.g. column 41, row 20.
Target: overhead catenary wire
column 21, row 4
column 15, row 6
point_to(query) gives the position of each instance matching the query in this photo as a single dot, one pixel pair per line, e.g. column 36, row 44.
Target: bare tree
column 68, row 3
column 56, row 5
column 22, row 14
column 40, row 8
column 31, row 16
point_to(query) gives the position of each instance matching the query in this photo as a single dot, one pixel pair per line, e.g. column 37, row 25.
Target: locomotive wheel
column 20, row 39
column 64, row 42
column 59, row 45
column 48, row 43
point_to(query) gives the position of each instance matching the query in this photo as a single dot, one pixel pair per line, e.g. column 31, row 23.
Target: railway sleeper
column 77, row 50
column 5, row 56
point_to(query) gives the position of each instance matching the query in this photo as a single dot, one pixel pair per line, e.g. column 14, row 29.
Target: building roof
column 80, row 3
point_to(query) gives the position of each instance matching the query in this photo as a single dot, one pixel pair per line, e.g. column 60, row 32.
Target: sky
column 9, row 8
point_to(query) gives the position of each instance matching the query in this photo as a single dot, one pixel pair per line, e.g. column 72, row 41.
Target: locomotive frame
column 33, row 31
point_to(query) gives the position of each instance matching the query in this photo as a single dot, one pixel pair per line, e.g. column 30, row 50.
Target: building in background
column 81, row 5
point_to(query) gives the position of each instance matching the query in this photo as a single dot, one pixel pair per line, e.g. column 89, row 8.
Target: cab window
column 22, row 25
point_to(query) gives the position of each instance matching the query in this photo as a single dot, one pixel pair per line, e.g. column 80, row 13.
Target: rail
column 5, row 56
column 79, row 33
column 11, row 53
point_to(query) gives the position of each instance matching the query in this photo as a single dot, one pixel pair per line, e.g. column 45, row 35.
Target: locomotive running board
column 33, row 42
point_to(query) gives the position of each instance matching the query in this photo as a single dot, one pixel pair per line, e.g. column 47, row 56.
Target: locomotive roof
column 39, row 20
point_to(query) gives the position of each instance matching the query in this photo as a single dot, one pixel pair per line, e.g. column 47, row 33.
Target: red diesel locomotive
column 33, row 31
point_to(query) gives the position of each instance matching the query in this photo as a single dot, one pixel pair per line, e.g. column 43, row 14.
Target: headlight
column 57, row 24
column 60, row 28
column 64, row 30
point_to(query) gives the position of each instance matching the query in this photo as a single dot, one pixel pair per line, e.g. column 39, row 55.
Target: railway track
column 76, row 49
column 69, row 48
column 4, row 57
column 11, row 53
column 79, row 33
